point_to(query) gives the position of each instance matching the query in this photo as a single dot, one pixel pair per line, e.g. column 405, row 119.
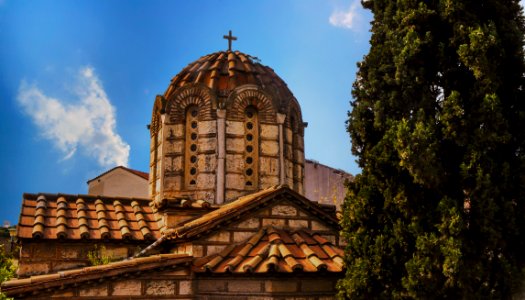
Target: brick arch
column 251, row 97
column 295, row 110
column 198, row 95
column 158, row 109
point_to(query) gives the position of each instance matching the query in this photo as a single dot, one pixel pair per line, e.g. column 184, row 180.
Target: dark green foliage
column 7, row 268
column 438, row 126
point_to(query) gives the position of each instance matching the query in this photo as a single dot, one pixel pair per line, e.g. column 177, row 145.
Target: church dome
column 227, row 126
column 224, row 71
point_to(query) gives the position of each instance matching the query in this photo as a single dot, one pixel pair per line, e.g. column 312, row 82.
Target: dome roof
column 225, row 70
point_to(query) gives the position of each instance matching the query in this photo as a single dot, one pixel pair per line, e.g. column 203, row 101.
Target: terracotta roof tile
column 58, row 216
column 269, row 251
column 74, row 277
column 226, row 70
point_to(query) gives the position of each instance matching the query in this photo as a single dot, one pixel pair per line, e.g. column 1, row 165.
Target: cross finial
column 230, row 38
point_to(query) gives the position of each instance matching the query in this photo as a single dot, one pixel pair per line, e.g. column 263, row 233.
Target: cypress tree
column 438, row 127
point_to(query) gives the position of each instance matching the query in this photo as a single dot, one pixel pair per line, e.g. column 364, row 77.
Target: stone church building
column 225, row 216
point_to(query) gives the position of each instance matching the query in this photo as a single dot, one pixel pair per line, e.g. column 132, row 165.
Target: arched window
column 251, row 149
column 191, row 147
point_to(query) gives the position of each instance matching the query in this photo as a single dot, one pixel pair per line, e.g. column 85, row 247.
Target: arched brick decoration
column 295, row 110
column 158, row 109
column 251, row 97
column 198, row 95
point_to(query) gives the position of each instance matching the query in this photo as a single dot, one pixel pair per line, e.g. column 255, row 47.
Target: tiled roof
column 232, row 210
column 59, row 216
column 225, row 70
column 274, row 250
column 136, row 172
column 76, row 276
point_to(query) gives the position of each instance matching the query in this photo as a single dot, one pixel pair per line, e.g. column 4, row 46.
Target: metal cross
column 230, row 38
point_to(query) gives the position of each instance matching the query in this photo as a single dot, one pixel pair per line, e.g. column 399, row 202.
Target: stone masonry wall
column 179, row 283
column 280, row 215
column 53, row 256
column 255, row 288
column 171, row 284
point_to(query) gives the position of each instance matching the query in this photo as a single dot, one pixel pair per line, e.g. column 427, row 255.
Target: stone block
column 197, row 251
column 269, row 166
column 273, row 222
column 66, row 265
column 174, row 147
column 115, row 253
column 44, row 251
column 68, row 252
column 245, row 286
column 234, row 163
column 185, row 287
column 208, row 196
column 211, row 285
column 173, row 220
column 127, row 288
column 263, row 212
column 33, row 268
column 234, row 127
column 241, row 236
column 317, row 285
column 160, row 287
column 94, row 291
column 178, row 272
column 205, row 181
column 207, row 144
column 235, row 181
column 177, row 130
column 318, row 226
column 212, row 249
column 207, row 163
column 298, row 224
column 280, row 286
column 268, row 181
column 25, row 251
column 222, row 236
column 284, row 210
column 206, row 127
column 251, row 223
column 232, row 195
column 63, row 294
column 288, row 152
column 269, row 132
column 288, row 134
column 270, row 148
column 289, row 170
column 235, row 145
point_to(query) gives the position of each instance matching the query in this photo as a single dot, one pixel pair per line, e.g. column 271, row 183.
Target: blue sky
column 78, row 78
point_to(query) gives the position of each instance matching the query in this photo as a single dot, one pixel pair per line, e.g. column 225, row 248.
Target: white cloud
column 351, row 18
column 87, row 125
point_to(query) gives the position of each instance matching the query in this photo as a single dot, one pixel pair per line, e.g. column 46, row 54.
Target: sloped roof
column 275, row 250
column 243, row 205
column 141, row 174
column 74, row 277
column 61, row 216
